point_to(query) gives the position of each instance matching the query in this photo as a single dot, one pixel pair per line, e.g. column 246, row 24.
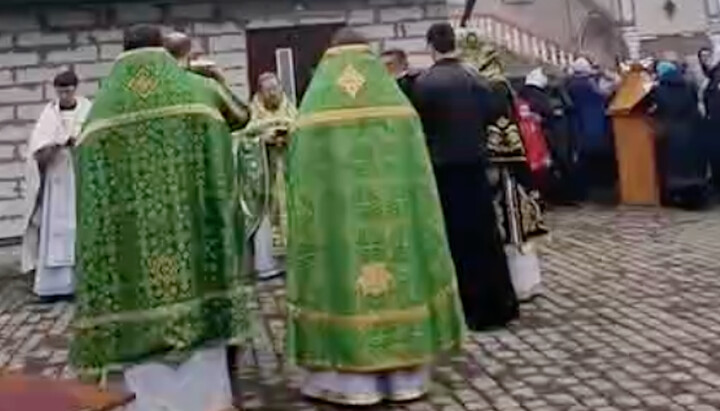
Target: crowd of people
column 568, row 134
column 403, row 206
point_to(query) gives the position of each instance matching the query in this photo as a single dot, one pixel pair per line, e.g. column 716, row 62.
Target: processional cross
column 469, row 6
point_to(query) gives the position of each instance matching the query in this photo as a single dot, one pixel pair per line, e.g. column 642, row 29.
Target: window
column 712, row 7
column 625, row 11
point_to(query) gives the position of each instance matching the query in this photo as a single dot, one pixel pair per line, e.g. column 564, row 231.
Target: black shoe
column 52, row 299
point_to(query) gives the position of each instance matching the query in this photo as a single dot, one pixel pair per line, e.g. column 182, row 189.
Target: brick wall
column 35, row 45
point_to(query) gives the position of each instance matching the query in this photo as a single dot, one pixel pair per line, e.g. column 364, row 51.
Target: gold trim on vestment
column 376, row 318
column 513, row 159
column 131, row 53
column 143, row 115
column 157, row 312
column 392, row 365
column 349, row 115
column 334, row 51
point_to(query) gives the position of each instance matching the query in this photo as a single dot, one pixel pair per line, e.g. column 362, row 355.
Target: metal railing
column 517, row 40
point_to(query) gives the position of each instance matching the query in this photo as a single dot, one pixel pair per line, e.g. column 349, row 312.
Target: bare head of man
column 395, row 61
column 179, row 45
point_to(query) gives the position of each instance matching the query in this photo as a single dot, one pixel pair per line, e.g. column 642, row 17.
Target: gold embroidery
column 374, row 281
column 139, row 51
column 379, row 318
column 129, row 118
column 351, row 81
column 159, row 312
column 409, row 361
column 164, row 282
column 504, row 138
column 334, row 51
column 350, row 115
column 143, row 83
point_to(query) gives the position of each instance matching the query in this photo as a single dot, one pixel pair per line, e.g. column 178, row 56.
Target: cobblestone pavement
column 630, row 321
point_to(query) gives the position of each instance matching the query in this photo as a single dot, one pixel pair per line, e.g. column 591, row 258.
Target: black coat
column 680, row 149
column 454, row 103
column 407, row 81
column 711, row 135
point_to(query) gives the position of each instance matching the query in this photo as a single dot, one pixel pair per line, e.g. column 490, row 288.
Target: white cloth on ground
column 363, row 389
column 525, row 271
column 202, row 383
column 267, row 264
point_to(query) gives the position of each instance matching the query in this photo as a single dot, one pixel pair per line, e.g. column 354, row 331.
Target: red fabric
column 536, row 147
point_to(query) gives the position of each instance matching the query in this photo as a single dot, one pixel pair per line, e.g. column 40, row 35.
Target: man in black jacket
column 456, row 106
column 396, row 61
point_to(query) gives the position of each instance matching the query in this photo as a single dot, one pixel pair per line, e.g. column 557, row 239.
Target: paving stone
column 628, row 322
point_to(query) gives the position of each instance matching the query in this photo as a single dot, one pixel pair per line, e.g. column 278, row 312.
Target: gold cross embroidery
column 143, row 83
column 375, row 280
column 351, row 81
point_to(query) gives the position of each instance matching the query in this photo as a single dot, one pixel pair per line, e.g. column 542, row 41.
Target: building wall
column 650, row 31
column 652, row 20
column 35, row 45
column 561, row 21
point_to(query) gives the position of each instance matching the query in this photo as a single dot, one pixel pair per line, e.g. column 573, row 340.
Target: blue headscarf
column 666, row 69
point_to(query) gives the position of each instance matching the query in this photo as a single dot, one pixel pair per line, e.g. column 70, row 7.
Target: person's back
column 589, row 117
column 453, row 102
column 680, row 149
column 676, row 100
column 456, row 106
column 158, row 230
column 371, row 293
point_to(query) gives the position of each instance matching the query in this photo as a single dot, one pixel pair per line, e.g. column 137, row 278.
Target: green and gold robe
column 159, row 242
column 371, row 283
column 262, row 168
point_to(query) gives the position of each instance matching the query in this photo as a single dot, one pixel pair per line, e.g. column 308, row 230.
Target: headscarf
column 537, row 78
column 666, row 69
column 581, row 66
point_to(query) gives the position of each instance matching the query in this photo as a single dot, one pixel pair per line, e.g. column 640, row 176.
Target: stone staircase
column 529, row 47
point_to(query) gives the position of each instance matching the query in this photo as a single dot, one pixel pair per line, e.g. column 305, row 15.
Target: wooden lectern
column 635, row 140
column 24, row 393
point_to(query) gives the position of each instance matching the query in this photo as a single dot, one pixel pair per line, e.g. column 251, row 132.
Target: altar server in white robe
column 49, row 239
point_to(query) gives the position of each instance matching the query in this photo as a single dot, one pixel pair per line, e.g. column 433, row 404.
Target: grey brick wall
column 35, row 45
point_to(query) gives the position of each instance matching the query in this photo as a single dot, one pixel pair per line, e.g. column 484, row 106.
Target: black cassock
column 455, row 108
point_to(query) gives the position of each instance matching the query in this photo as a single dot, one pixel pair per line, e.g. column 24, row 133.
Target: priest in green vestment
column 265, row 138
column 159, row 232
column 372, row 294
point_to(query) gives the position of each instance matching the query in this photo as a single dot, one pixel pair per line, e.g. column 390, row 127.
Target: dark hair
column 441, row 36
column 397, row 54
column 142, row 36
column 346, row 36
column 66, row 79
